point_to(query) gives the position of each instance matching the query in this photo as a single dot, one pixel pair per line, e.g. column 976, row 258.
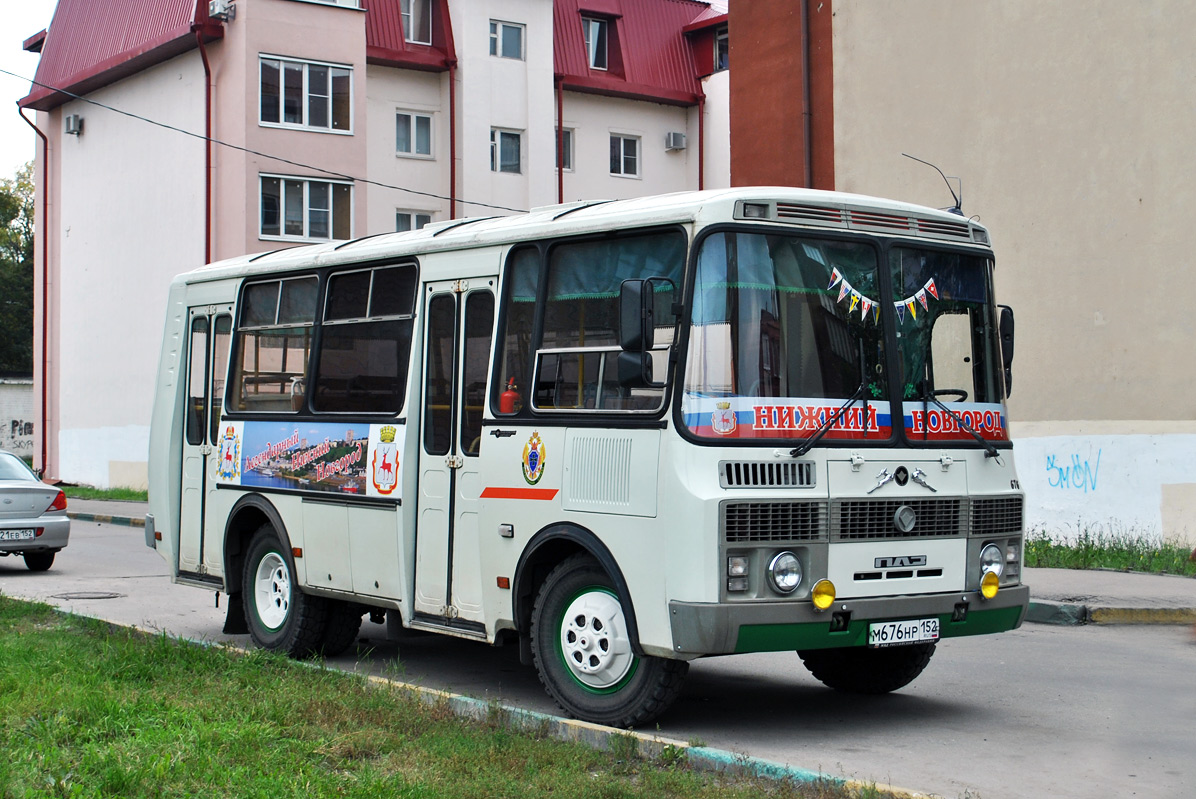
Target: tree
column 16, row 272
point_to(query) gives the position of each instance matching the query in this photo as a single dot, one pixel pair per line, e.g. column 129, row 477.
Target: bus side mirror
column 1005, row 326
column 635, row 369
column 636, row 328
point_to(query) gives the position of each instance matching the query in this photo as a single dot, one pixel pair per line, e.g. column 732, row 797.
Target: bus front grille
column 766, row 474
column 997, row 516
column 864, row 520
column 745, row 522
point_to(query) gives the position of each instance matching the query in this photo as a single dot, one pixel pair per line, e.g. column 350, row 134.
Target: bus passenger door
column 458, row 329
column 209, row 330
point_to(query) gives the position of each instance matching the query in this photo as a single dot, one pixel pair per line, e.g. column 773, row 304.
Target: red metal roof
column 654, row 60
column 385, row 45
column 89, row 44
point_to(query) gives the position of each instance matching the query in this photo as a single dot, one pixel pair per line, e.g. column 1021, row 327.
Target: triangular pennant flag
column 865, row 307
column 855, row 300
column 921, row 295
column 932, row 289
column 835, row 278
column 912, row 310
column 876, row 314
column 900, row 312
column 844, row 288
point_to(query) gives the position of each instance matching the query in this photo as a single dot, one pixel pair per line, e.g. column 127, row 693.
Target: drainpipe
column 805, row 90
column 207, row 149
column 701, row 142
column 45, row 239
column 560, row 139
column 452, row 65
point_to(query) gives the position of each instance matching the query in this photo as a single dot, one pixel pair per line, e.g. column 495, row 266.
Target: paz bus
column 619, row 435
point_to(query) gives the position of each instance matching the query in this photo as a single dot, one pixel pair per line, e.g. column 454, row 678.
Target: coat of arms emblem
column 384, row 464
column 533, row 459
column 722, row 421
column 229, row 465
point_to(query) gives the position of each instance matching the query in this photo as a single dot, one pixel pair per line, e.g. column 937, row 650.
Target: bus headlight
column 992, row 559
column 784, row 572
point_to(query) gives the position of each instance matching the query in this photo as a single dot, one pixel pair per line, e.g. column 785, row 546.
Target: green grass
column 87, row 492
column 89, row 710
column 1105, row 550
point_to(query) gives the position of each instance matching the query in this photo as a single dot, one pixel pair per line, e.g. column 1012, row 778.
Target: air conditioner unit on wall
column 674, row 141
column 73, row 124
column 222, row 10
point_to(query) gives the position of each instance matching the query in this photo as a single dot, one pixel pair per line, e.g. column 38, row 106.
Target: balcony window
column 305, row 94
column 594, row 33
column 300, row 209
column 506, row 39
column 417, row 21
column 413, row 134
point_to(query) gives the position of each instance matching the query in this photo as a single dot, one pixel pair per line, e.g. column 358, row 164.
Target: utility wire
column 258, row 153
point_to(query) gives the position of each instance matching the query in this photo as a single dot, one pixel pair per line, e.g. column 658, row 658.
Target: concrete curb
column 125, row 521
column 1065, row 613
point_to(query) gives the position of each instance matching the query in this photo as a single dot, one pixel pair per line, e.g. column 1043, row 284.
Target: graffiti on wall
column 1074, row 473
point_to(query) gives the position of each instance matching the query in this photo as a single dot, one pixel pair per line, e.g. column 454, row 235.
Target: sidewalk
column 1057, row 596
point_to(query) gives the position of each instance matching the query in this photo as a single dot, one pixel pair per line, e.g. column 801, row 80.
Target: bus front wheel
column 280, row 616
column 858, row 670
column 583, row 651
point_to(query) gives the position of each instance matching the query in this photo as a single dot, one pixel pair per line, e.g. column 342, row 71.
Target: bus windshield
column 786, row 337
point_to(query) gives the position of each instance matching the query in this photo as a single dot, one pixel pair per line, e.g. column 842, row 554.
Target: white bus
column 622, row 435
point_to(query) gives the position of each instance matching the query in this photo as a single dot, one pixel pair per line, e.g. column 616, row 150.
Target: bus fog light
column 784, row 572
column 823, row 594
column 1012, row 552
column 737, row 584
column 989, row 584
column 737, row 566
column 992, row 559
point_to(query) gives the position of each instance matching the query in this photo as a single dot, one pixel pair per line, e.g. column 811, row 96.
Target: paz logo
column 384, row 465
column 229, row 467
column 533, row 459
column 723, row 419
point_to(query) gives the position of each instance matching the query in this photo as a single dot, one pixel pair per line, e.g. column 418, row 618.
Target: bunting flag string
column 867, row 305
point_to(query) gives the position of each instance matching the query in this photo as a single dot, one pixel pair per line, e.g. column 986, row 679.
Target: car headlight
column 992, row 559
column 784, row 572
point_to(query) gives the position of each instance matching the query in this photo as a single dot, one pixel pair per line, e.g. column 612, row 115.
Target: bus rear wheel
column 859, row 670
column 583, row 652
column 280, row 617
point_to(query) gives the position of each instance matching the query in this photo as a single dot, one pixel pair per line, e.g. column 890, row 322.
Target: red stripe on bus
column 519, row 493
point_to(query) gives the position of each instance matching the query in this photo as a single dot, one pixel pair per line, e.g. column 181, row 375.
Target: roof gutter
column 207, row 147
column 42, row 234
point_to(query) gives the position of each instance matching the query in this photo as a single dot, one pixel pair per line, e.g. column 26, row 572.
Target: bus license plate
column 17, row 535
column 897, row 633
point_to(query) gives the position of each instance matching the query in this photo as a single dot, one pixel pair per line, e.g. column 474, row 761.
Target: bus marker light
column 737, row 584
column 989, row 584
column 823, row 594
column 297, row 552
column 504, row 582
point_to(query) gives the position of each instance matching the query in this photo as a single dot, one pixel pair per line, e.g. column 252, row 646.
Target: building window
column 624, row 155
column 413, row 134
column 417, row 21
column 722, row 49
column 594, row 32
column 506, row 39
column 294, row 208
column 411, row 220
column 504, row 151
column 305, row 94
column 564, row 150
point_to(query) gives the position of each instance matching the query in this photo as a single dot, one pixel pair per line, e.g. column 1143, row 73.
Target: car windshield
column 785, row 333
column 947, row 344
column 13, row 468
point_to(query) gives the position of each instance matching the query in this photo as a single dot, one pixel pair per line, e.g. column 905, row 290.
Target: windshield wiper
column 989, row 450
column 817, row 435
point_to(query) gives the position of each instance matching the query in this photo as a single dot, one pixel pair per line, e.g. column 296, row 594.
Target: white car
column 33, row 520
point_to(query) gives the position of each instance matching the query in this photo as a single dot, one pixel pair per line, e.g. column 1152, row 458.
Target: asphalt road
column 1097, row 711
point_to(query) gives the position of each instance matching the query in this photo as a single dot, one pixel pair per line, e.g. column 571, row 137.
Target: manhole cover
column 89, row 595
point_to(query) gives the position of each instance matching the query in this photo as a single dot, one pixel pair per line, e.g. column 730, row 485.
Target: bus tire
column 859, row 670
column 584, row 656
column 344, row 623
column 280, row 617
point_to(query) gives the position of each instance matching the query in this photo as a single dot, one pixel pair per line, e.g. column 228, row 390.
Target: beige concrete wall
column 1071, row 126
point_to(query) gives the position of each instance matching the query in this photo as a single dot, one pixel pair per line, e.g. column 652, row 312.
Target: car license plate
column 17, row 535
column 897, row 633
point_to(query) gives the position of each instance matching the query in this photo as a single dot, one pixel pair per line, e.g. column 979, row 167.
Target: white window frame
column 639, row 154
column 721, row 37
column 497, row 39
column 413, row 219
column 412, row 127
column 307, row 208
column 589, row 26
column 342, row 3
column 305, row 103
column 496, row 135
column 570, row 137
column 405, row 12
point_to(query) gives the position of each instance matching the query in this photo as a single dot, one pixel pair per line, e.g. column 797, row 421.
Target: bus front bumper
column 719, row 629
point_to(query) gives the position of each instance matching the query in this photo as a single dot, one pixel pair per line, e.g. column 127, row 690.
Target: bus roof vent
column 766, row 474
column 812, row 214
column 879, row 221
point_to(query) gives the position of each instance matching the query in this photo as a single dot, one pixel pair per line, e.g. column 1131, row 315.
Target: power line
column 258, row 153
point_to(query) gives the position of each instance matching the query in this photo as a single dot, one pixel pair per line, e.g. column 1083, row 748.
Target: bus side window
column 274, row 343
column 520, row 291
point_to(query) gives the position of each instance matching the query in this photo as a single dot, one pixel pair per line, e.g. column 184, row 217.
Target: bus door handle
column 502, row 433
